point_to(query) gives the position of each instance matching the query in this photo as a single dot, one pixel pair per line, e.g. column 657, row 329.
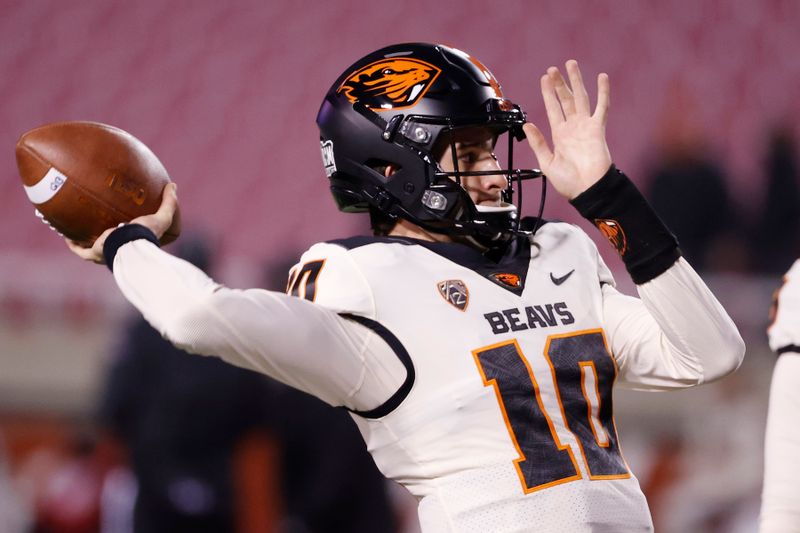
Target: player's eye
column 472, row 157
column 467, row 157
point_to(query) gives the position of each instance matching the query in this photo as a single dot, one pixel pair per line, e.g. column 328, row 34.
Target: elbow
column 191, row 330
column 180, row 331
column 730, row 354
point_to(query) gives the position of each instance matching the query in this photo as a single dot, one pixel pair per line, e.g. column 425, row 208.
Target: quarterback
column 780, row 502
column 476, row 350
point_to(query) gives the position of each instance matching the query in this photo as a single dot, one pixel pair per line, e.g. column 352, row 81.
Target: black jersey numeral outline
column 544, row 461
column 302, row 280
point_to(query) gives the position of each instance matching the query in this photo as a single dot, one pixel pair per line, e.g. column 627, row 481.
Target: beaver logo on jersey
column 612, row 231
column 506, row 278
column 394, row 83
column 454, row 292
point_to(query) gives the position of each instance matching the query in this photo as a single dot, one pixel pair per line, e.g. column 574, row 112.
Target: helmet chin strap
column 504, row 207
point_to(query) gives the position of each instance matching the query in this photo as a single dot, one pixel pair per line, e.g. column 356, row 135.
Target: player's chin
column 492, row 205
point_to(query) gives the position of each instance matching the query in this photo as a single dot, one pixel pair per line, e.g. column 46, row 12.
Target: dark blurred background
column 704, row 119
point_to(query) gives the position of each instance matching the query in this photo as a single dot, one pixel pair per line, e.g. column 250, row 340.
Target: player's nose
column 492, row 182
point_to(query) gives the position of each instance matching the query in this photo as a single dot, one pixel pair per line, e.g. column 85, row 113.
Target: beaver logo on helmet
column 393, row 83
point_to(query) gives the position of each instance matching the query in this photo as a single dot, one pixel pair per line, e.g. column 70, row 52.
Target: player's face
column 475, row 152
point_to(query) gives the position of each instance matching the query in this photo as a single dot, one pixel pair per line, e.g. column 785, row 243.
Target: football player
column 476, row 351
column 780, row 502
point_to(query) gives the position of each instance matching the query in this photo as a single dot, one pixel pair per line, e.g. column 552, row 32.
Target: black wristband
column 622, row 214
column 123, row 235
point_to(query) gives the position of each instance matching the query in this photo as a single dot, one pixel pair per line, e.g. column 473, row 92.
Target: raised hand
column 580, row 155
column 159, row 222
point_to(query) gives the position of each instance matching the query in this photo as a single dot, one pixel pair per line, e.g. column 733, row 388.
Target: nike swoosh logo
column 562, row 279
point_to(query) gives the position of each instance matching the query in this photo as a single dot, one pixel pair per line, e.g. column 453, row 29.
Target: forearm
column 290, row 339
column 678, row 334
column 163, row 287
column 624, row 217
column 696, row 329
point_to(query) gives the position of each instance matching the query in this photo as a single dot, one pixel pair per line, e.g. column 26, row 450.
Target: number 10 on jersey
column 583, row 373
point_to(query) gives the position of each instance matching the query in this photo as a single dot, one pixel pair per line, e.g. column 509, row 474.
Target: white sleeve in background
column 780, row 502
column 678, row 335
column 785, row 328
column 300, row 343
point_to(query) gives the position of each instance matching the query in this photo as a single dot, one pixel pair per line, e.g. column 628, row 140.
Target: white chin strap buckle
column 502, row 208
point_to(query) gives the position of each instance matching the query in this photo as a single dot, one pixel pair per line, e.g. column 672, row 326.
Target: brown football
column 86, row 177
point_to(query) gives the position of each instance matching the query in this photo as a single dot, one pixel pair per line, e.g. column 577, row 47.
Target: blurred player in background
column 780, row 504
column 476, row 351
column 190, row 424
column 184, row 422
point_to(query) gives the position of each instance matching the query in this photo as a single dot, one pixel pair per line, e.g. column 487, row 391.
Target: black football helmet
column 400, row 106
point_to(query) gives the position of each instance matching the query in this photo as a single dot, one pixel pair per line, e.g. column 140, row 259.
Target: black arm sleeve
column 622, row 214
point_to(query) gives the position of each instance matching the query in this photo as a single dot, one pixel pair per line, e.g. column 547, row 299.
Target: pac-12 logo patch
column 454, row 292
column 392, row 83
column 612, row 230
column 327, row 157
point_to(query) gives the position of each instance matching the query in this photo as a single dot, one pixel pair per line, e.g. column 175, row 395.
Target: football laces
column 40, row 216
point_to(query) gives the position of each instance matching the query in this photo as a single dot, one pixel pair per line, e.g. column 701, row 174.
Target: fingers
column 161, row 220
column 579, row 95
column 76, row 248
column 169, row 202
column 603, row 98
column 538, row 144
column 551, row 105
column 562, row 100
column 562, row 91
column 93, row 254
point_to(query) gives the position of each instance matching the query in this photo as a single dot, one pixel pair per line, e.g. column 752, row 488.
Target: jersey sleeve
column 327, row 275
column 780, row 505
column 675, row 335
column 784, row 331
column 302, row 343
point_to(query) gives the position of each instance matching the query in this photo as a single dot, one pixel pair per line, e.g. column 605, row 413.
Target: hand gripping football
column 86, row 177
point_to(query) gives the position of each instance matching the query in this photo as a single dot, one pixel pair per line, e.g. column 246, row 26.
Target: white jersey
column 780, row 503
column 484, row 387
